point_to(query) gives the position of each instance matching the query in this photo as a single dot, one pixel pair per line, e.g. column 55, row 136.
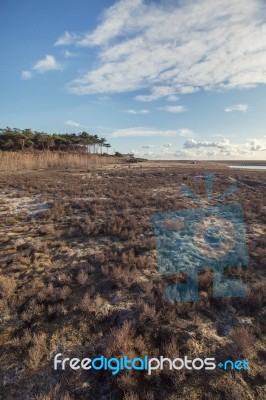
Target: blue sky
column 165, row 79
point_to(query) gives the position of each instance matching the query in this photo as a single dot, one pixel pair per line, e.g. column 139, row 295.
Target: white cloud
column 26, row 74
column 186, row 132
column 69, row 54
column 173, row 97
column 192, row 144
column 49, row 63
column 146, row 45
column 225, row 149
column 187, row 89
column 72, row 123
column 167, row 145
column 67, row 39
column 223, row 144
column 148, row 154
column 142, row 132
column 141, row 112
column 117, row 19
column 237, row 107
column 173, row 109
column 157, row 93
column 165, row 154
column 257, row 145
column 220, row 151
column 148, row 146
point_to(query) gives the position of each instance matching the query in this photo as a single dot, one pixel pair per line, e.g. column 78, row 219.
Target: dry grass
column 37, row 351
column 243, row 340
column 7, row 286
column 17, row 161
column 121, row 341
column 78, row 275
column 54, row 393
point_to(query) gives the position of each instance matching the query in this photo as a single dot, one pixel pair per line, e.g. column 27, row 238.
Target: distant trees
column 13, row 139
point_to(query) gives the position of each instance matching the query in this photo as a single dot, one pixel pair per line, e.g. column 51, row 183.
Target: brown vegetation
column 78, row 275
column 14, row 161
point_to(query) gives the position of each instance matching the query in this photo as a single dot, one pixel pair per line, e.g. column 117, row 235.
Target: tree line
column 13, row 139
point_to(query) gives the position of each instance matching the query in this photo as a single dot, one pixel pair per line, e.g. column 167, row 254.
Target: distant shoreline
column 227, row 162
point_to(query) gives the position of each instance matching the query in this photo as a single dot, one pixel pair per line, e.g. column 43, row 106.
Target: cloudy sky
column 164, row 79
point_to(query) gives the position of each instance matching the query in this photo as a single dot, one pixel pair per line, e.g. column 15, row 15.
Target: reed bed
column 13, row 161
